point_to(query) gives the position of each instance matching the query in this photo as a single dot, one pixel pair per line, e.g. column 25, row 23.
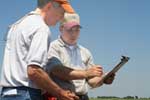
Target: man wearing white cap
column 65, row 52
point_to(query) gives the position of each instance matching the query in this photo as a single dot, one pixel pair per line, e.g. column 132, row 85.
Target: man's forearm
column 42, row 80
column 66, row 73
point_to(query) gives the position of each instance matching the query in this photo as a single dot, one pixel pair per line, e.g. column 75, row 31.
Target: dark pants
column 22, row 93
column 83, row 97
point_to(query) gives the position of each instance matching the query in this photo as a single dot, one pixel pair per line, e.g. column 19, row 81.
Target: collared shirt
column 76, row 57
column 27, row 44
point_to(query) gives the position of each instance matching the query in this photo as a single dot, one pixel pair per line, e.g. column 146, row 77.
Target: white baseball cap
column 70, row 20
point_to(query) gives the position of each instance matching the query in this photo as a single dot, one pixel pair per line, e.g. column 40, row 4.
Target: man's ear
column 48, row 6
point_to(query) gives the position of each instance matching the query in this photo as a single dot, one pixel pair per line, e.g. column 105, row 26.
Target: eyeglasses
column 74, row 29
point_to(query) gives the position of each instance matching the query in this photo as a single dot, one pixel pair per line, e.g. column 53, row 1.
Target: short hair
column 42, row 3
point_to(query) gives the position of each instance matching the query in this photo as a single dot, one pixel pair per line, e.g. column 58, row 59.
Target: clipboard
column 123, row 61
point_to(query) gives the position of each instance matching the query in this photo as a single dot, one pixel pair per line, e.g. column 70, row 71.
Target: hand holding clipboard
column 117, row 67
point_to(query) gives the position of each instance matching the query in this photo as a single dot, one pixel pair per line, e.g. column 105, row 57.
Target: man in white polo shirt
column 65, row 52
column 22, row 76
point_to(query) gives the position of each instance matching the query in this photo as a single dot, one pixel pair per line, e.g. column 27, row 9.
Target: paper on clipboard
column 117, row 67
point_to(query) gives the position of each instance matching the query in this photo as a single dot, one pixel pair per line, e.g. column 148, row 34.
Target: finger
column 112, row 76
column 100, row 72
column 76, row 98
column 98, row 67
column 110, row 80
column 71, row 94
column 97, row 70
column 69, row 98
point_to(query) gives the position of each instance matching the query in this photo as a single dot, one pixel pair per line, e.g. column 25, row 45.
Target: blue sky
column 111, row 28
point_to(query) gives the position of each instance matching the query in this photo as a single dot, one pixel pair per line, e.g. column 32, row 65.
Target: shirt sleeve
column 38, row 49
column 54, row 50
column 53, row 57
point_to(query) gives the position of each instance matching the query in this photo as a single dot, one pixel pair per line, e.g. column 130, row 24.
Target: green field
column 117, row 99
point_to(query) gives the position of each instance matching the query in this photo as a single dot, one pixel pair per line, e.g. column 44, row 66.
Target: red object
column 49, row 97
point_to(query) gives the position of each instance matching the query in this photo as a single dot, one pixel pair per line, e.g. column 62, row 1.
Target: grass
column 118, row 99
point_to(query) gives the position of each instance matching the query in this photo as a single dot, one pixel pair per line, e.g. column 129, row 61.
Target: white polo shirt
column 76, row 57
column 27, row 43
